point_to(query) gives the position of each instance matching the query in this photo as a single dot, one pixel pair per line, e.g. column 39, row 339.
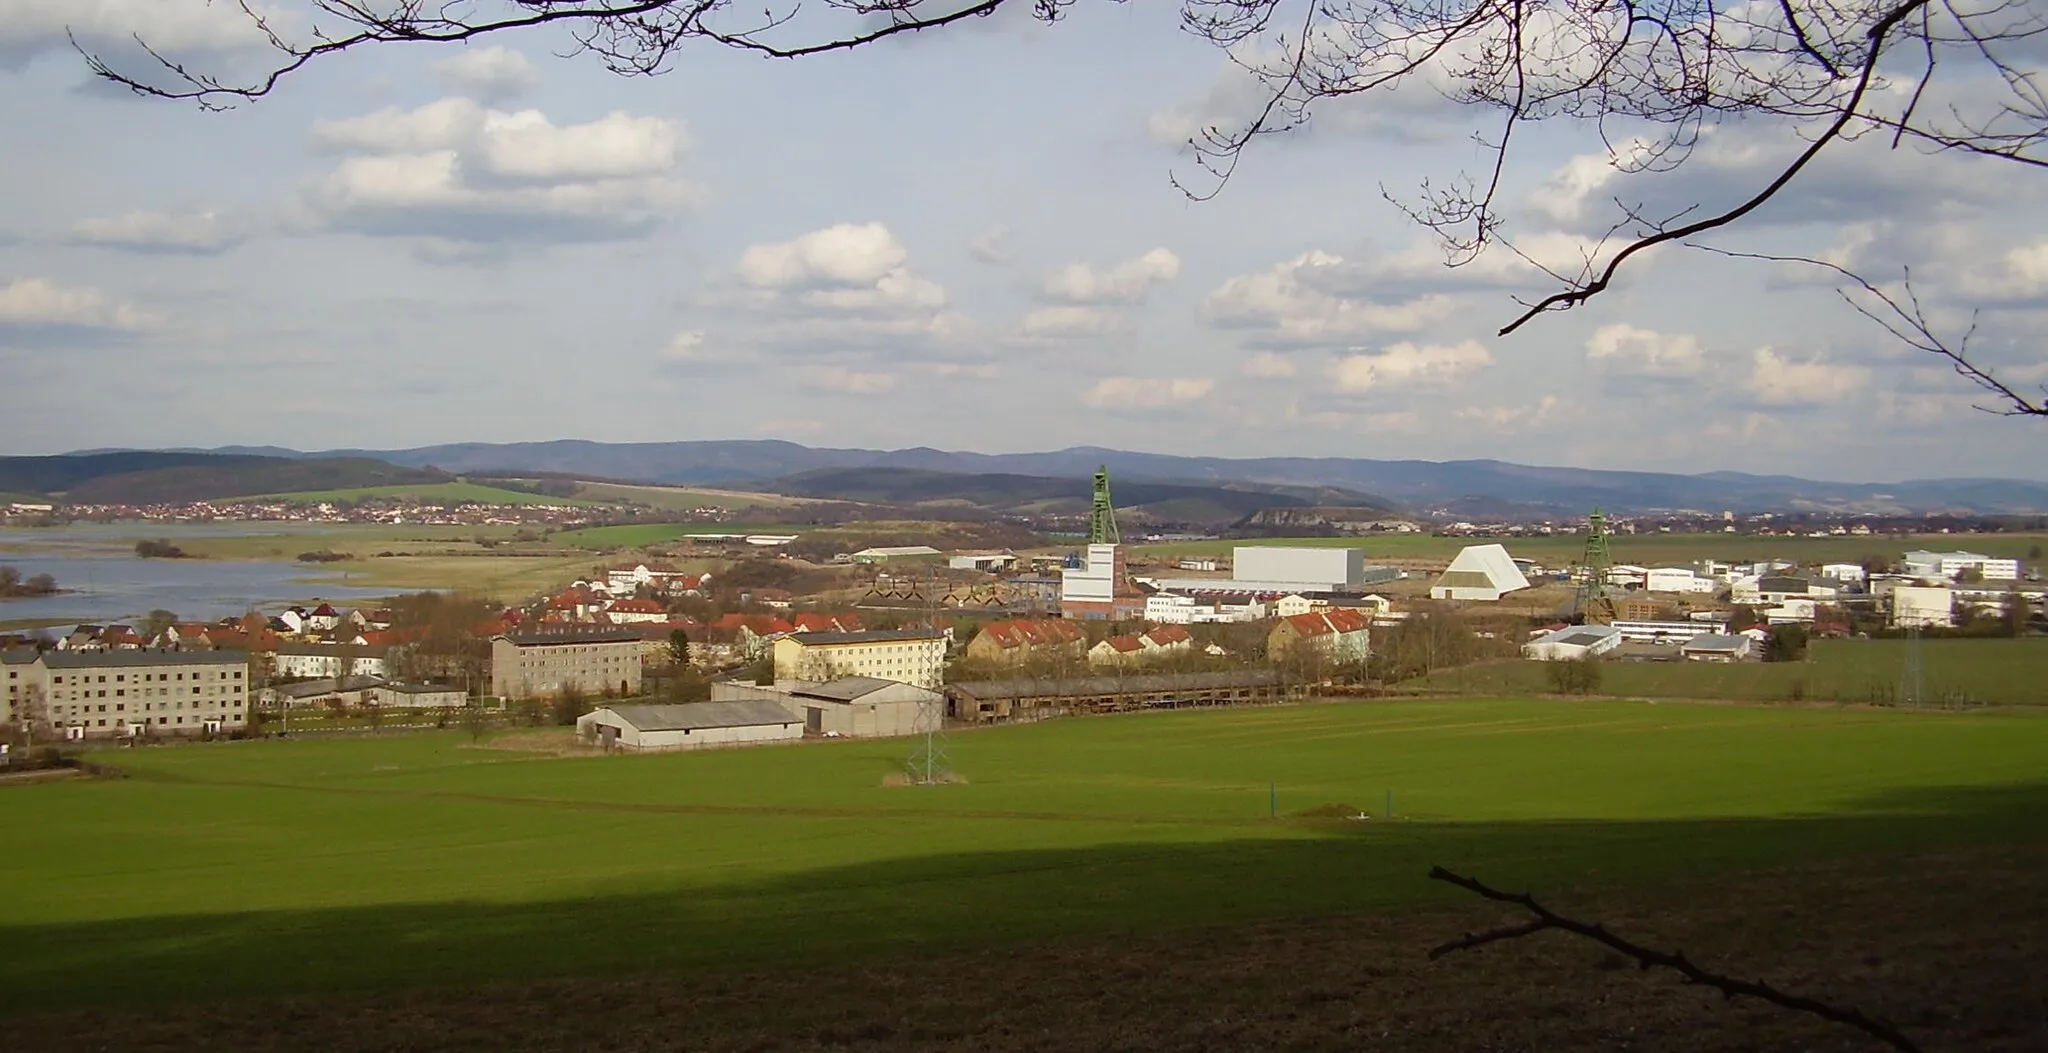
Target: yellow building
column 909, row 656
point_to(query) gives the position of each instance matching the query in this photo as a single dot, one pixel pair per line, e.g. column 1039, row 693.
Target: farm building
column 993, row 701
column 1480, row 572
column 1573, row 642
column 898, row 554
column 688, row 726
column 860, row 707
column 352, row 691
column 1715, row 647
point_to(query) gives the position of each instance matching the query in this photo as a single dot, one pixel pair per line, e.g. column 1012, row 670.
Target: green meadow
column 295, row 867
column 442, row 493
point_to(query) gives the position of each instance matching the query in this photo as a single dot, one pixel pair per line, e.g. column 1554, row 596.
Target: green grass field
column 2002, row 672
column 427, row 493
column 1641, row 549
column 300, row 866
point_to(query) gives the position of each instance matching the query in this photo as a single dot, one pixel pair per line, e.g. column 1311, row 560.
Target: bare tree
column 1652, row 75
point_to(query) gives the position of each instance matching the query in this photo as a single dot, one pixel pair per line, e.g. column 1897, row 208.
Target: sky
column 967, row 240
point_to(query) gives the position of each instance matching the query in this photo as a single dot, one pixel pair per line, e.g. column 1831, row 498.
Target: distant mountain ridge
column 176, row 476
column 1416, row 484
column 1167, row 500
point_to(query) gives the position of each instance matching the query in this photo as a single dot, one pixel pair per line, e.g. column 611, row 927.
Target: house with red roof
column 1020, row 639
column 823, row 622
column 1339, row 634
column 1142, row 647
column 631, row 611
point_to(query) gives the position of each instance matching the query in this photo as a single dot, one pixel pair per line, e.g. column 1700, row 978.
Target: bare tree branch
column 1647, row 958
column 1906, row 320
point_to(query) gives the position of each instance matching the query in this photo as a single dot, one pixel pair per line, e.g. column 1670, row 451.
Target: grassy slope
column 2010, row 672
column 300, row 866
column 1646, row 550
column 683, row 498
column 634, row 535
column 446, row 493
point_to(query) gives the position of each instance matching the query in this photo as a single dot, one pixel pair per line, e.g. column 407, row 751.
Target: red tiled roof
column 1032, row 632
column 1334, row 620
column 1125, row 644
column 1169, row 634
column 637, row 607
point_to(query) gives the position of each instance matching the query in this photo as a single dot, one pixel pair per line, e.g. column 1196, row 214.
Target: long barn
column 995, row 701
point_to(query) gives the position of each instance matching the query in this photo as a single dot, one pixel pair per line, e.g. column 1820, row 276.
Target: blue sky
column 967, row 241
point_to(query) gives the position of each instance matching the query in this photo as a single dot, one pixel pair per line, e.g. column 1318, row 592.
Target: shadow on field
column 1303, row 869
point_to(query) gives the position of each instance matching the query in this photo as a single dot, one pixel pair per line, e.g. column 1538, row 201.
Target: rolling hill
column 1414, row 483
column 1165, row 501
column 148, row 477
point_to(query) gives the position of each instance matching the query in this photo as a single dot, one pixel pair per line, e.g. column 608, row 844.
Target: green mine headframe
column 1101, row 515
column 1595, row 600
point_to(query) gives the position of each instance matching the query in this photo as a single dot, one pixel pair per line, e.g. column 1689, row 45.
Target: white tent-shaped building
column 1481, row 572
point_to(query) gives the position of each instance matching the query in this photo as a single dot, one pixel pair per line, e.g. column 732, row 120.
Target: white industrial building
column 1919, row 607
column 1843, row 571
column 688, row 726
column 1480, row 572
column 1716, row 647
column 1318, row 569
column 1678, row 579
column 1573, row 642
column 1946, row 565
column 1174, row 608
column 1092, row 589
column 1669, row 632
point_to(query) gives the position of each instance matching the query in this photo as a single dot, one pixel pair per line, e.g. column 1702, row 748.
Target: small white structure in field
column 687, row 726
column 1481, row 572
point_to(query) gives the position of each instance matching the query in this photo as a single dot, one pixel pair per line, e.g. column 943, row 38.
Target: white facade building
column 1317, row 569
column 1919, row 607
column 1173, row 608
column 1843, row 571
column 1946, row 565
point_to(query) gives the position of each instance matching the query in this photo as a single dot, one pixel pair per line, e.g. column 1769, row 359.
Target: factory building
column 1946, row 565
column 1573, row 642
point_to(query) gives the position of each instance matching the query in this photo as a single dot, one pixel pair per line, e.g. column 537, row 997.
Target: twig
column 1646, row 958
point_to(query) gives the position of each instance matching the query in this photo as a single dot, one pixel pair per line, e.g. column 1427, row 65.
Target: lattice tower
column 1101, row 514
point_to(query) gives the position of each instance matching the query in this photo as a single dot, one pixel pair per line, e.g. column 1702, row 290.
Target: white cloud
column 488, row 72
column 1146, row 392
column 1127, row 282
column 991, row 247
column 1268, row 364
column 457, row 171
column 896, row 292
column 1407, row 364
column 198, row 233
column 1627, row 349
column 1290, row 303
column 1069, row 321
column 1502, row 418
column 686, row 346
column 31, row 26
column 846, row 254
column 842, row 379
column 40, row 303
column 1775, row 380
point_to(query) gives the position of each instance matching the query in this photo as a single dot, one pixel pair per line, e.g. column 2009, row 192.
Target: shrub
column 1579, row 676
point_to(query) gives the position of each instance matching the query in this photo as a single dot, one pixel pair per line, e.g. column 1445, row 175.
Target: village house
column 1021, row 639
column 1340, row 634
column 1133, row 648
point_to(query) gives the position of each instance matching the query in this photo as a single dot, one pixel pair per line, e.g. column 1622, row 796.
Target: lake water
column 111, row 585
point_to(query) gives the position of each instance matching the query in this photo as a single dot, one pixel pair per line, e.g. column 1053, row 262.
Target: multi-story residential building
column 110, row 694
column 1340, row 634
column 909, row 656
column 541, row 662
